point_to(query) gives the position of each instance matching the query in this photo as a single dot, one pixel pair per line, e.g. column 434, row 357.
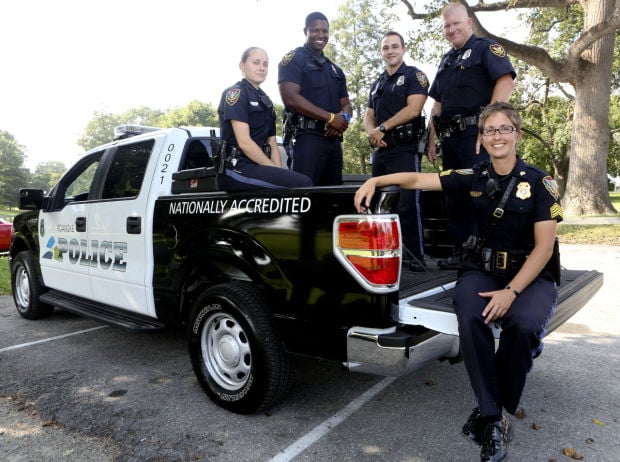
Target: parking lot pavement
column 99, row 393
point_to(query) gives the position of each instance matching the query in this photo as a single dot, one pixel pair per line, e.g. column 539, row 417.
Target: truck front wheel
column 236, row 354
column 27, row 288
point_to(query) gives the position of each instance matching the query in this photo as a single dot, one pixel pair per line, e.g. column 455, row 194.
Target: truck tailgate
column 426, row 298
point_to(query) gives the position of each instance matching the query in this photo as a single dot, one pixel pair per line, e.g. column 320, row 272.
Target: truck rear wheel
column 27, row 288
column 236, row 354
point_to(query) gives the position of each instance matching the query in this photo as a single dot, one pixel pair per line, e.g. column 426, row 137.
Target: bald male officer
column 474, row 73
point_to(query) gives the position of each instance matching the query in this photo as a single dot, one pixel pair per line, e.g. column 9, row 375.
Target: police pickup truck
column 136, row 234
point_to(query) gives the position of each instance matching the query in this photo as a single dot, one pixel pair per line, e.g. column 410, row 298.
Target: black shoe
column 451, row 263
column 494, row 441
column 471, row 428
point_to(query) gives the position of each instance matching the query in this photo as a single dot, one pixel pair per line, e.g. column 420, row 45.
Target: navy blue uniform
column 388, row 95
column 323, row 84
column 464, row 85
column 247, row 104
column 498, row 378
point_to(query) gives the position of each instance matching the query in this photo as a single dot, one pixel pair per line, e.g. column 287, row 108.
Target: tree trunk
column 586, row 188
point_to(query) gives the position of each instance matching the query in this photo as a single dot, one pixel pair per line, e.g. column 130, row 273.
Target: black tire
column 27, row 288
column 237, row 356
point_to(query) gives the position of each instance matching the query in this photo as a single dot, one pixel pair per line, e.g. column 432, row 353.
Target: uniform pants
column 498, row 377
column 318, row 157
column 247, row 175
column 404, row 159
column 458, row 151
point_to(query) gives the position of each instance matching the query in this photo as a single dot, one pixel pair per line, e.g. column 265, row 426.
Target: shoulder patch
column 422, row 79
column 551, row 186
column 232, row 96
column 498, row 50
column 287, row 58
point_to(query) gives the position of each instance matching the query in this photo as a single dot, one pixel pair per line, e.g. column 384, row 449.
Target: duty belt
column 314, row 125
column 445, row 126
column 403, row 135
column 500, row 262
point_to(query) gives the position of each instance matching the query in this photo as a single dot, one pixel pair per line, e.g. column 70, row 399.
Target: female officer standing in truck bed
column 506, row 278
column 248, row 128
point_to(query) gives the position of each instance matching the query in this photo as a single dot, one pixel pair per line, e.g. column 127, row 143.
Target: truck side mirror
column 30, row 199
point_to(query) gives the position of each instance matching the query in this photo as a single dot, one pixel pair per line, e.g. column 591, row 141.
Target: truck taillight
column 369, row 248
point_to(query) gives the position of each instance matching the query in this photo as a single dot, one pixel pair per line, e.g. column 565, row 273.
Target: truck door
column 119, row 229
column 63, row 236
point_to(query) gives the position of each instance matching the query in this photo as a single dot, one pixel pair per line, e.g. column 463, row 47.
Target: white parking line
column 24, row 345
column 322, row 429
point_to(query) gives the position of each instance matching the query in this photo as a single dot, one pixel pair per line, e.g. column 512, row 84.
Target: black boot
column 471, row 429
column 494, row 441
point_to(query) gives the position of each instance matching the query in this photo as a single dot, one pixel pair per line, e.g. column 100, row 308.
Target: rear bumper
column 394, row 352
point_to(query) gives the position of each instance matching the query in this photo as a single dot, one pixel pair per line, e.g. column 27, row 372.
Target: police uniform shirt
column 389, row 93
column 247, row 104
column 321, row 81
column 534, row 197
column 466, row 77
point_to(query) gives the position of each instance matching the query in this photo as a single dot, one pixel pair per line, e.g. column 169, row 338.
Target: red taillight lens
column 369, row 246
column 365, row 235
column 380, row 271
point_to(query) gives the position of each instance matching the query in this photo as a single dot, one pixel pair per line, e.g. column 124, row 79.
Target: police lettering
column 107, row 255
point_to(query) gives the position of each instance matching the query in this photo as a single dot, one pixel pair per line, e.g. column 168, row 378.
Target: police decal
column 287, row 58
column 422, row 79
column 551, row 186
column 498, row 50
column 232, row 96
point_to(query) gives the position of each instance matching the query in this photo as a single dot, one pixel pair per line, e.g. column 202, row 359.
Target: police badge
column 523, row 190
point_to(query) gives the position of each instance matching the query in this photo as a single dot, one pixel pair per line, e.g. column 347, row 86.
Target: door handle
column 134, row 225
column 80, row 224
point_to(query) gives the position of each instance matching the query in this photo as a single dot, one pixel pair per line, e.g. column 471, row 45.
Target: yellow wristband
column 331, row 117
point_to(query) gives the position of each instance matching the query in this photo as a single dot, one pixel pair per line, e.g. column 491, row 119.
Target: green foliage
column 194, row 114
column 13, row 174
column 100, row 129
column 47, row 174
column 5, row 277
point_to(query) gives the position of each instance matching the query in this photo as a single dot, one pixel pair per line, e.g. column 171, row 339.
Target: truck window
column 126, row 174
column 198, row 155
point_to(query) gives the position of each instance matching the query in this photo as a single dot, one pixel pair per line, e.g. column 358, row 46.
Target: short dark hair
column 393, row 32
column 314, row 17
column 503, row 107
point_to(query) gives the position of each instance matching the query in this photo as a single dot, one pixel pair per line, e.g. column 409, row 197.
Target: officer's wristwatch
column 382, row 128
column 346, row 116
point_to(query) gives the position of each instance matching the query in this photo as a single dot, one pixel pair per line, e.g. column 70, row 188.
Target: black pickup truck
column 137, row 234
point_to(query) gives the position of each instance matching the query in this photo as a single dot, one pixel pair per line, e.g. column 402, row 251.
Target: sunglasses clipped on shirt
column 504, row 130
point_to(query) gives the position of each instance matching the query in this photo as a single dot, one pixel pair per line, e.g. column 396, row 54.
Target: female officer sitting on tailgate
column 504, row 280
column 248, row 126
